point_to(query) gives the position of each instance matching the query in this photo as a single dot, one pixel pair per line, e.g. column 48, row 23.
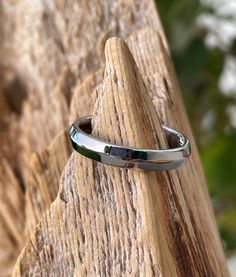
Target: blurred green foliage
column 198, row 69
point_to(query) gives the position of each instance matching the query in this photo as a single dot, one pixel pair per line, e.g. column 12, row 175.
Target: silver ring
column 129, row 157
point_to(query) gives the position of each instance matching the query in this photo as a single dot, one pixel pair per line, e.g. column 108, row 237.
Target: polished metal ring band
column 129, row 157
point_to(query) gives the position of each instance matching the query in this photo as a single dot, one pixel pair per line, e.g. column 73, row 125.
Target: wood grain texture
column 46, row 169
column 104, row 221
column 185, row 197
column 11, row 217
column 107, row 221
column 64, row 37
column 85, row 95
column 41, row 124
column 46, row 166
column 51, row 47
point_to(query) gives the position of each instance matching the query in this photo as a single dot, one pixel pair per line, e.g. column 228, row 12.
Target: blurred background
column 202, row 37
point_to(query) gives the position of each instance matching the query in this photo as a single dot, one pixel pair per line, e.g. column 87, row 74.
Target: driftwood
column 104, row 221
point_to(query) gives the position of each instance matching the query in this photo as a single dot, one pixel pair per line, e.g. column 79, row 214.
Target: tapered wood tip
column 123, row 102
column 118, row 57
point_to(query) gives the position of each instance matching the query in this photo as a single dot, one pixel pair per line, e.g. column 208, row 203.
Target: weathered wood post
column 107, row 221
